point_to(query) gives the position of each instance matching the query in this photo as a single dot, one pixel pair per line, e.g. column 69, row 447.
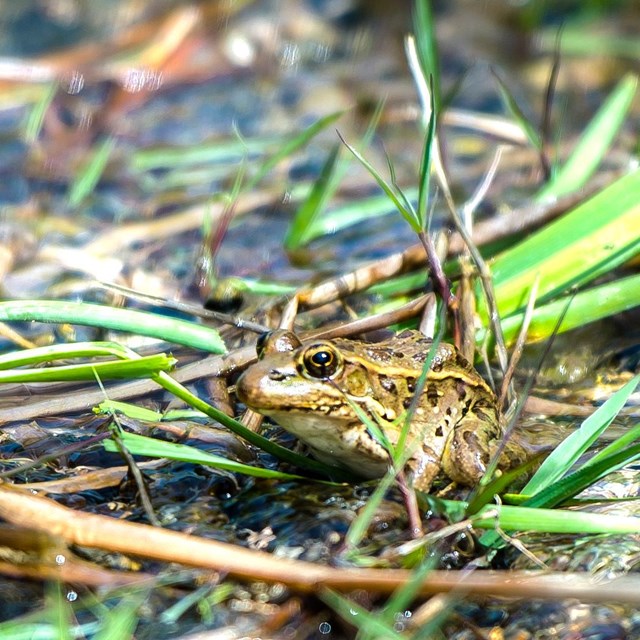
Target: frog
column 328, row 393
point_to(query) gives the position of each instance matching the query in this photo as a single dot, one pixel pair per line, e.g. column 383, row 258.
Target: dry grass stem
column 184, row 307
column 498, row 227
column 89, row 481
column 507, row 389
column 485, row 278
column 101, row 532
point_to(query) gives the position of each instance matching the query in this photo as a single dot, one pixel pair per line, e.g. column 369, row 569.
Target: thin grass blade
column 133, row 411
column 576, row 482
column 291, row 146
column 178, row 390
column 95, row 315
column 33, row 123
column 88, row 178
column 143, row 367
column 302, row 229
column 619, row 444
column 425, row 165
column 407, row 214
column 526, row 518
column 352, row 213
column 512, row 106
column 150, row 447
column 424, row 29
column 497, row 485
column 368, row 623
column 594, row 142
column 122, row 620
column 298, row 233
column 53, row 352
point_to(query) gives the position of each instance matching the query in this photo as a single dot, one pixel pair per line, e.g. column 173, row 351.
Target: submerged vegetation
column 562, row 259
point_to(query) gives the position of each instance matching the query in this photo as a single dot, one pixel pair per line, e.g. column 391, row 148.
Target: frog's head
column 318, row 381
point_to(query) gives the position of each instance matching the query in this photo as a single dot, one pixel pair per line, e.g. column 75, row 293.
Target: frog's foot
column 424, row 467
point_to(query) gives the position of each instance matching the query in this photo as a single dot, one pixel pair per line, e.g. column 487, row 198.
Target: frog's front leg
column 424, row 466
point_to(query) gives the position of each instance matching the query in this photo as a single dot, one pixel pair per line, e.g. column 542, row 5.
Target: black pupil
column 321, row 359
column 321, row 363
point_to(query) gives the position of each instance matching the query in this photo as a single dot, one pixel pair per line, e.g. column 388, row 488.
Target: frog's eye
column 321, row 361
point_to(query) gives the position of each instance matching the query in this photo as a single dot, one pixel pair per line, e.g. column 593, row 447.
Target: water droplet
column 76, row 83
column 324, row 628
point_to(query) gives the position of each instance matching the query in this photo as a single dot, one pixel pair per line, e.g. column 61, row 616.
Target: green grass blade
column 360, row 526
column 152, row 448
column 593, row 143
column 34, row 121
column 322, row 191
column 89, row 177
column 143, row 367
column 407, row 214
column 587, row 306
column 424, row 31
column 301, row 230
column 368, row 623
column 95, row 315
column 576, row 482
column 121, row 621
column 402, row 598
column 261, row 287
column 572, row 447
column 110, row 407
column 352, row 213
column 517, row 114
column 291, row 146
column 425, row 165
column 587, row 38
column 59, row 612
column 54, row 352
column 592, row 239
column 178, row 390
column 527, row 518
column 181, row 158
column 484, row 494
column 619, row 444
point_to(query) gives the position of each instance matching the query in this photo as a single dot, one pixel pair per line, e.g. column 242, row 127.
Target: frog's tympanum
column 313, row 388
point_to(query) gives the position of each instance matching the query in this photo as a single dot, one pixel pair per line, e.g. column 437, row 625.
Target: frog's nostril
column 277, row 376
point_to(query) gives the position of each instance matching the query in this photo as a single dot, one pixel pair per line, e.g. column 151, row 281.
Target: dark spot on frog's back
column 461, row 390
column 463, row 362
column 432, row 395
column 411, row 384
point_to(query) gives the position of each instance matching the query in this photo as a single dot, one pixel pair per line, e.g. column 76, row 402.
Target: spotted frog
column 319, row 390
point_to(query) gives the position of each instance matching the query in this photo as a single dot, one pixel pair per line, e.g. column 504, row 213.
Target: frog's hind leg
column 467, row 451
column 470, row 447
